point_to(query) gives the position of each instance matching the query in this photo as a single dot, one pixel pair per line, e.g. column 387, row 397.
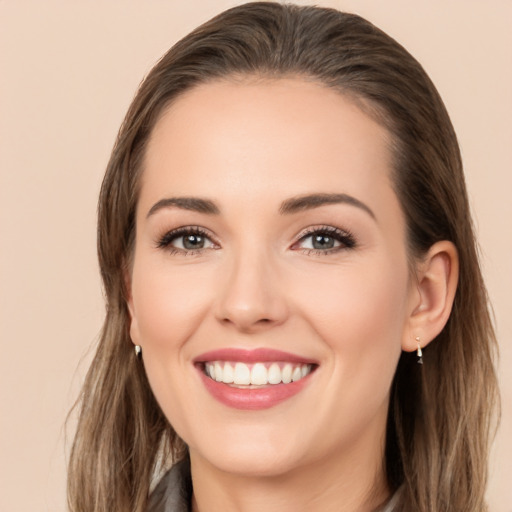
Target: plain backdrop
column 68, row 70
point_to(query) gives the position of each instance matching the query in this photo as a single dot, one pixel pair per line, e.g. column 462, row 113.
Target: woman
column 284, row 234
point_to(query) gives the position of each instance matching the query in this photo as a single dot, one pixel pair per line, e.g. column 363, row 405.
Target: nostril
column 247, row 325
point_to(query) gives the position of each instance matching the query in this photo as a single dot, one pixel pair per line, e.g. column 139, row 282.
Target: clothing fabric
column 174, row 492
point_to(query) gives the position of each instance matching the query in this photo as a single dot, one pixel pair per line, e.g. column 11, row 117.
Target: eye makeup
column 315, row 240
column 187, row 240
column 324, row 240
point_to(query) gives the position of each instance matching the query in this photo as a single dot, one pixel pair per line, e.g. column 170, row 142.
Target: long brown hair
column 440, row 416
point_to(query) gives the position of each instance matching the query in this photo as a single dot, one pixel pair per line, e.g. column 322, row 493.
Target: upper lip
column 259, row 355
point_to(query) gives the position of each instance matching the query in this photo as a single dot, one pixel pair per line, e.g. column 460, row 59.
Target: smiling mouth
column 255, row 375
column 254, row 380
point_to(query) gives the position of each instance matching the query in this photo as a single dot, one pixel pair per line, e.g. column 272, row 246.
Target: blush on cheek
column 169, row 307
column 363, row 318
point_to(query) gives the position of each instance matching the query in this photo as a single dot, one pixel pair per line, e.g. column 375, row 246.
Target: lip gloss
column 251, row 397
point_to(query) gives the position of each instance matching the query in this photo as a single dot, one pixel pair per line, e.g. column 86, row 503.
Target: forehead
column 265, row 138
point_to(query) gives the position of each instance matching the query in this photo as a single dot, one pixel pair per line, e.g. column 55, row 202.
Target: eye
column 326, row 239
column 187, row 240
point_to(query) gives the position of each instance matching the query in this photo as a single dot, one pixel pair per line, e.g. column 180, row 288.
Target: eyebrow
column 290, row 206
column 195, row 204
column 307, row 202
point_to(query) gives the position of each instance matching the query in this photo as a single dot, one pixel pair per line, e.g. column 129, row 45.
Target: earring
column 419, row 353
column 138, row 351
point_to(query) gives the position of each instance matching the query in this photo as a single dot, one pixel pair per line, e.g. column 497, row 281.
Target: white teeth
column 257, row 374
column 297, row 374
column 242, row 374
column 287, row 374
column 274, row 374
column 228, row 375
column 218, row 371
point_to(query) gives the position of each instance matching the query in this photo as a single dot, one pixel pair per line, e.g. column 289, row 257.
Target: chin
column 260, row 453
column 253, row 463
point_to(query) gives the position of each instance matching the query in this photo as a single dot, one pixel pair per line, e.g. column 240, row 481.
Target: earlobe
column 437, row 278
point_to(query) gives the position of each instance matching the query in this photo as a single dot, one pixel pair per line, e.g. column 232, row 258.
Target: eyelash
column 166, row 240
column 345, row 239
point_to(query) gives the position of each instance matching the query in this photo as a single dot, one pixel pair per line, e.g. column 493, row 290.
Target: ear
column 134, row 329
column 432, row 300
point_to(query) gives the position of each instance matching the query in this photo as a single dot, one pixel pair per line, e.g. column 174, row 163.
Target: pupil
column 193, row 242
column 323, row 242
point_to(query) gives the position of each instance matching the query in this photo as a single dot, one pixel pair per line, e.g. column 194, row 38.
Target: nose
column 252, row 297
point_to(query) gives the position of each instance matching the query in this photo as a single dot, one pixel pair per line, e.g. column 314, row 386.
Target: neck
column 354, row 482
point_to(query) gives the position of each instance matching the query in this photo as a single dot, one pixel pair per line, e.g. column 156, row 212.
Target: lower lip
column 252, row 399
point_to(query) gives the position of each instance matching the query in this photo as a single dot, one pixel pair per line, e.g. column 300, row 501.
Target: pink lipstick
column 253, row 379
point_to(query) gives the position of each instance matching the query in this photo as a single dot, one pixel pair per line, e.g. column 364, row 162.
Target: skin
column 248, row 146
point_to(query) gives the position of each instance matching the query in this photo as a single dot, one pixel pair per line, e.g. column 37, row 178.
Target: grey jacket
column 174, row 491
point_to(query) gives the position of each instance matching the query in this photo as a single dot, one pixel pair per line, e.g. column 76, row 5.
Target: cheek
column 361, row 319
column 360, row 313
column 168, row 304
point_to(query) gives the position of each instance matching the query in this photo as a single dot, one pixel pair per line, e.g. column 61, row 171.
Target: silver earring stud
column 138, row 351
column 419, row 352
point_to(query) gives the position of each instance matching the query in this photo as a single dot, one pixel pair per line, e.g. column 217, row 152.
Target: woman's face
column 270, row 247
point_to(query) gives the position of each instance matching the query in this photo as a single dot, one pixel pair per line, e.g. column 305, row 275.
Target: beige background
column 68, row 70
